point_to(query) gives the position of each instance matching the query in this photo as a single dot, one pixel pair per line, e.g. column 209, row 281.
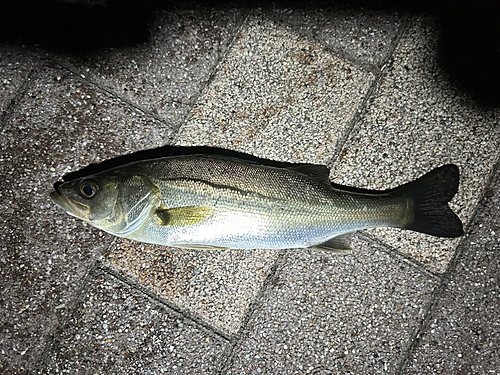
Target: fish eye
column 88, row 189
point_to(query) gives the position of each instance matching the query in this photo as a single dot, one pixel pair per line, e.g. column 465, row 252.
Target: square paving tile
column 115, row 330
column 362, row 35
column 329, row 313
column 417, row 122
column 165, row 75
column 277, row 96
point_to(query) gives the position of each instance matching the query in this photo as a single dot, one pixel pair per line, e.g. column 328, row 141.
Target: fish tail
column 430, row 195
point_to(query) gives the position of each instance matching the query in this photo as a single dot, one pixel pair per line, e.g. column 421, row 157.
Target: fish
column 221, row 202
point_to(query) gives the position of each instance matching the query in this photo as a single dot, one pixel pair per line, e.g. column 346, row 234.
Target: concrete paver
column 414, row 123
column 463, row 332
column 116, row 329
column 277, row 96
column 330, row 313
column 365, row 37
column 165, row 75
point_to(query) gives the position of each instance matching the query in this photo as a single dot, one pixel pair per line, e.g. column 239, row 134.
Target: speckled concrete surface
column 463, row 333
column 165, row 75
column 363, row 91
column 273, row 88
column 15, row 65
column 115, row 330
column 365, row 37
column 216, row 285
column 324, row 313
column 414, row 123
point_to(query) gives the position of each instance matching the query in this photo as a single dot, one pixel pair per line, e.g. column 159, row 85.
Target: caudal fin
column 431, row 194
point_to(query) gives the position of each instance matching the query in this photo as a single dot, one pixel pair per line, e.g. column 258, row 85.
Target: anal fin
column 336, row 244
column 200, row 247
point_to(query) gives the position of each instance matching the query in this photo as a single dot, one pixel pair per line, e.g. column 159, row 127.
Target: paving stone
column 215, row 285
column 463, row 334
column 277, row 96
column 417, row 122
column 15, row 65
column 363, row 35
column 334, row 313
column 165, row 75
column 60, row 125
column 116, row 329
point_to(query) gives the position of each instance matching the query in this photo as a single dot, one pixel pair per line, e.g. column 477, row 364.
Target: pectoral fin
column 184, row 216
column 337, row 244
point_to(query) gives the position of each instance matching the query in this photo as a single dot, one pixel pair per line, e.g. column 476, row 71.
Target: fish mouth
column 70, row 206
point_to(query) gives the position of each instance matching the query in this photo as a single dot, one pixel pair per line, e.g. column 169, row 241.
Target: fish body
column 203, row 202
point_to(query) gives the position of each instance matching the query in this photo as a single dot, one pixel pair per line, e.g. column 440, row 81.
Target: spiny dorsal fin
column 184, row 216
column 319, row 172
column 336, row 244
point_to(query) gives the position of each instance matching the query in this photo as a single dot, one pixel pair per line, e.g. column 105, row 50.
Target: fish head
column 116, row 202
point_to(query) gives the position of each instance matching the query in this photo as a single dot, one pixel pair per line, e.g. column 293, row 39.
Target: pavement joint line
column 394, row 253
column 214, row 71
column 75, row 299
column 186, row 314
column 385, row 67
column 227, row 357
column 85, row 78
column 445, row 279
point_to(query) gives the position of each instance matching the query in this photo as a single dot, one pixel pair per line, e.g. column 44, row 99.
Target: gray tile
column 216, row 285
column 463, row 334
column 165, row 75
column 334, row 313
column 15, row 65
column 277, row 96
column 118, row 330
column 59, row 126
column 362, row 35
column 417, row 122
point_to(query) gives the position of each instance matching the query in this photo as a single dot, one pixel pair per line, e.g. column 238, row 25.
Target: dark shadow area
column 75, row 26
column 469, row 47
